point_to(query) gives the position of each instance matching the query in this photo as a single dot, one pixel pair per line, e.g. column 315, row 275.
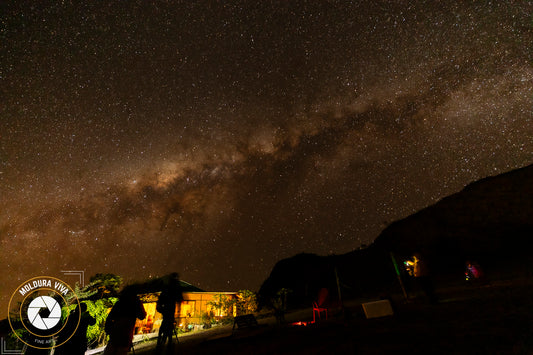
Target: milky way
column 214, row 139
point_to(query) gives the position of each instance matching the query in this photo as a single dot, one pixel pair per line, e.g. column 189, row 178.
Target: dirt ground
column 483, row 319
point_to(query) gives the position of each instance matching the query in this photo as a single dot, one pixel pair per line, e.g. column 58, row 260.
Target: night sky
column 216, row 138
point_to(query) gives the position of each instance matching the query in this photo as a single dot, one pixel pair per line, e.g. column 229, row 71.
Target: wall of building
column 188, row 314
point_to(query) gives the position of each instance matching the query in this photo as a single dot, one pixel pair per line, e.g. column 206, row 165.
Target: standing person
column 423, row 278
column 120, row 322
column 166, row 305
column 474, row 272
column 77, row 344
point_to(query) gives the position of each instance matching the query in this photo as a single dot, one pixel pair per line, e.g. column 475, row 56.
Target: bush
column 99, row 310
column 208, row 319
column 246, row 302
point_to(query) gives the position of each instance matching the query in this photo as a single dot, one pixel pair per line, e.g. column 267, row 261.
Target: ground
column 468, row 319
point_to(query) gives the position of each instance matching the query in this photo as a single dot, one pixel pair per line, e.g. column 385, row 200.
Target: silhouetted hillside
column 490, row 221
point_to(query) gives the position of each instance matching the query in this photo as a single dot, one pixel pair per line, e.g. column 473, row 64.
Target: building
column 195, row 310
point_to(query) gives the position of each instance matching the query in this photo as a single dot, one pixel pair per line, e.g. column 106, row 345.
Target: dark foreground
column 490, row 319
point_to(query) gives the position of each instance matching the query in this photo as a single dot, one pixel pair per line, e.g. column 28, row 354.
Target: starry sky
column 215, row 138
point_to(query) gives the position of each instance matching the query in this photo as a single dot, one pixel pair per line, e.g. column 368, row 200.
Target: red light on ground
column 299, row 323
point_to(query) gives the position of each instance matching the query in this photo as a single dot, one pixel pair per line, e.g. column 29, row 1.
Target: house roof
column 187, row 287
column 149, row 292
column 158, row 284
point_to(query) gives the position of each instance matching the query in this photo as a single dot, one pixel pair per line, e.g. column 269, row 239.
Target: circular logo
column 40, row 312
column 44, row 312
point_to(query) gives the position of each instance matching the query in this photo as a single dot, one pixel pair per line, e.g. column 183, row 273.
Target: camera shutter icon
column 44, row 312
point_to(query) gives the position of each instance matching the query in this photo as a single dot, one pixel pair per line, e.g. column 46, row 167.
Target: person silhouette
column 166, row 305
column 77, row 344
column 120, row 322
